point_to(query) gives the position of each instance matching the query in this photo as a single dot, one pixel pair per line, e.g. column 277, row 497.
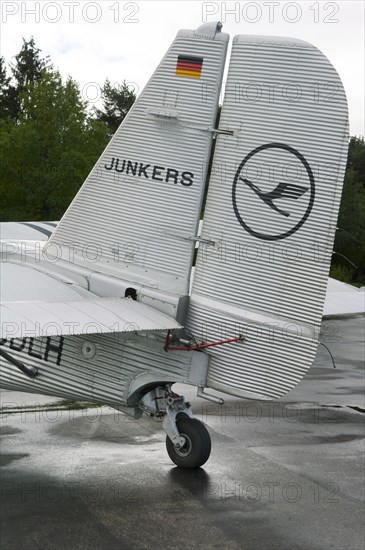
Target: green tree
column 46, row 154
column 356, row 158
column 350, row 237
column 117, row 100
column 8, row 94
column 26, row 70
column 29, row 64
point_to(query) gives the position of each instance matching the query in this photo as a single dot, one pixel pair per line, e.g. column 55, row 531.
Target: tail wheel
column 196, row 450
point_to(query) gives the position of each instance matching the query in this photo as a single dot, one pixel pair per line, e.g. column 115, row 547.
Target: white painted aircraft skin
column 132, row 229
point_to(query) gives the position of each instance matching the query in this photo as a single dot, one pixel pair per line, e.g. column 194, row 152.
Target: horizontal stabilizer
column 26, row 231
column 96, row 316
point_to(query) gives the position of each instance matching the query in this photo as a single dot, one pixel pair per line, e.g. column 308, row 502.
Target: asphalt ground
column 282, row 475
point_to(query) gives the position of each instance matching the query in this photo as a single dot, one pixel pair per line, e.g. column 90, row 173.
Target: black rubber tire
column 197, row 450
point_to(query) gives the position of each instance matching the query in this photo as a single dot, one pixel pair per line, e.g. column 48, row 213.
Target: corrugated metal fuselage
column 104, row 368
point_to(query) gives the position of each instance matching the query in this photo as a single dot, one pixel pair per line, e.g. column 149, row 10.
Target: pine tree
column 8, row 94
column 26, row 70
column 117, row 100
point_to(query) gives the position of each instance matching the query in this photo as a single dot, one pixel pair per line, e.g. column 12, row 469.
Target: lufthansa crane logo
column 273, row 191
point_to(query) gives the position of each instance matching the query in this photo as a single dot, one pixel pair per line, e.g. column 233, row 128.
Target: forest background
column 50, row 139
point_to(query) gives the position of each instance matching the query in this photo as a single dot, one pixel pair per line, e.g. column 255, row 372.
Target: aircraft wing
column 91, row 316
column 35, row 304
column 26, row 231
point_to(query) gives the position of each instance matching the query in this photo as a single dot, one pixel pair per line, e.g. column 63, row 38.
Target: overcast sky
column 126, row 40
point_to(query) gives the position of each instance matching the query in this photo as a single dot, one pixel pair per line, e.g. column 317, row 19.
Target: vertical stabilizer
column 137, row 213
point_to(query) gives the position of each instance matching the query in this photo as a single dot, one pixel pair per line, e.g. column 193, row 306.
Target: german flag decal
column 189, row 66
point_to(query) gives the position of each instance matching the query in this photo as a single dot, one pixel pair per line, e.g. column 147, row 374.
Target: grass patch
column 61, row 405
column 70, row 404
column 344, row 274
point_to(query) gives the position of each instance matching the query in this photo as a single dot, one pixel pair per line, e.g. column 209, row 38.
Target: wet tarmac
column 282, row 475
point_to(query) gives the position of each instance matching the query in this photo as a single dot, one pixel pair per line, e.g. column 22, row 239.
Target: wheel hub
column 186, row 448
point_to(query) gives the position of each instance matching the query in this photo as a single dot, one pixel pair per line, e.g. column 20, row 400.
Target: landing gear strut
column 188, row 441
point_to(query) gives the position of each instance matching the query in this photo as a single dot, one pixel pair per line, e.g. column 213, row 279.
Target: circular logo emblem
column 273, row 191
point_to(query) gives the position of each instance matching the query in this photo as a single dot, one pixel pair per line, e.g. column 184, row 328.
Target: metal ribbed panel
column 105, row 378
column 19, row 282
column 269, row 362
column 94, row 315
column 281, row 96
column 133, row 220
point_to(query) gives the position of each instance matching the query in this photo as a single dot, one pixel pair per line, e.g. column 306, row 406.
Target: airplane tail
column 271, row 211
column 137, row 213
column 264, row 276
